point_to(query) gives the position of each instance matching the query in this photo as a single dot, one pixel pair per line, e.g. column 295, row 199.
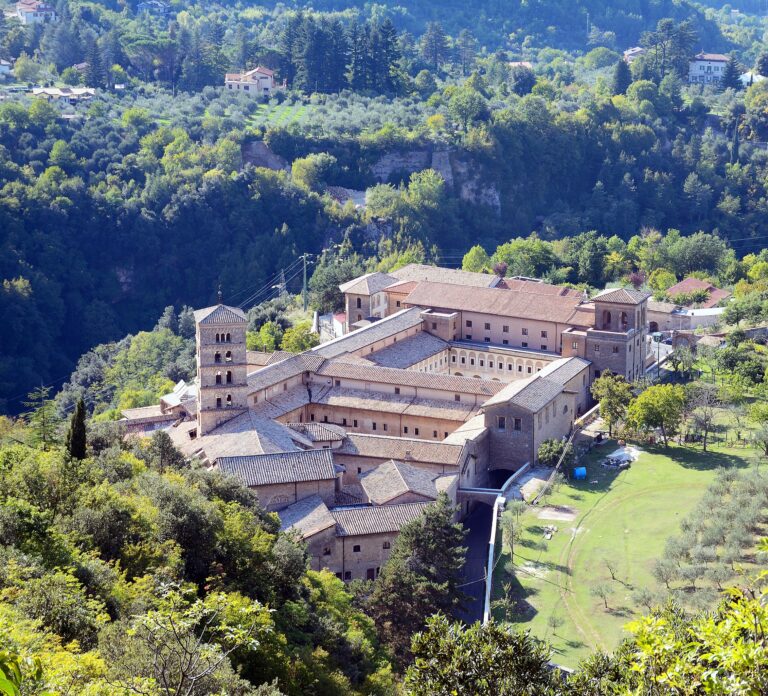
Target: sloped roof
column 319, row 432
column 622, row 296
column 220, row 314
column 282, row 370
column 308, row 516
column 390, row 375
column 393, row 479
column 247, row 434
column 453, row 276
column 400, row 448
column 384, row 328
column 360, row 521
column 717, row 57
column 532, row 394
column 368, row 284
column 564, row 370
column 691, row 284
column 526, row 302
column 280, row 467
column 389, row 403
column 409, row 351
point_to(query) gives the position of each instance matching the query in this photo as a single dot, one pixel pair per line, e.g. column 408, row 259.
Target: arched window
column 229, row 338
column 217, row 338
column 218, row 402
column 624, row 321
column 218, row 377
column 217, row 357
column 229, row 399
column 229, row 376
column 359, row 303
column 606, row 319
column 228, row 356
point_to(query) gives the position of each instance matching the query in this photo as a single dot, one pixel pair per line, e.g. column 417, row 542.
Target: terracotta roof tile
column 360, row 521
column 280, row 467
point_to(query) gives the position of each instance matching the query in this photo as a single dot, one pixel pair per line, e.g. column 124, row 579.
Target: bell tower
column 222, row 371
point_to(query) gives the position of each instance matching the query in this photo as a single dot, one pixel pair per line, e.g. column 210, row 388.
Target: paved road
column 478, row 526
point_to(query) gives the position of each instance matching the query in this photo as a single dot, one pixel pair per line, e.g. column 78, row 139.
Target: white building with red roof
column 257, row 82
column 707, row 68
column 35, row 12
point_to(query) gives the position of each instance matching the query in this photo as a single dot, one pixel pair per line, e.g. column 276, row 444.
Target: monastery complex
column 443, row 382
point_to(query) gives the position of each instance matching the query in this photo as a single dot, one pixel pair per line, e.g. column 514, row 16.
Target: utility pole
column 304, row 285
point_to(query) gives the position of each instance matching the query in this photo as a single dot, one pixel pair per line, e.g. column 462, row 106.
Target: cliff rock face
column 258, row 154
column 396, row 162
column 463, row 177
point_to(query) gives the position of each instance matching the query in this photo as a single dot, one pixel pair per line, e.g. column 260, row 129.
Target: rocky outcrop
column 475, row 186
column 397, row 162
column 258, row 154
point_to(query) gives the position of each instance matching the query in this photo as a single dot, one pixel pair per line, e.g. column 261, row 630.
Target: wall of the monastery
column 580, row 385
column 382, row 423
column 320, row 548
column 278, row 496
column 554, row 422
column 446, row 326
column 509, row 448
column 374, row 552
column 259, row 396
column 622, row 354
column 437, row 363
column 357, row 307
column 395, row 301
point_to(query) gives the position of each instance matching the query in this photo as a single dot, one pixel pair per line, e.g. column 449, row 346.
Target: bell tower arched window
column 229, row 338
column 218, row 338
column 218, row 402
column 217, row 357
column 624, row 321
column 229, row 376
column 359, row 303
column 606, row 319
column 228, row 356
column 218, row 377
column 229, row 399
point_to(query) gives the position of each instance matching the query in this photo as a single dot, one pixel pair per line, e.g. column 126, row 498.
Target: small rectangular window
column 453, row 358
column 405, row 429
column 525, row 332
column 338, row 382
column 482, row 363
column 397, row 304
column 597, row 349
column 347, row 575
column 487, row 340
column 463, row 361
column 525, row 344
column 575, row 345
column 615, row 349
column 487, row 326
column 543, row 346
column 415, row 431
column 457, row 397
column 490, row 363
column 434, row 326
column 434, row 433
column 343, row 421
column 518, row 424
column 374, row 425
column 543, row 334
column 354, row 423
column 397, row 390
column 385, row 427
column 505, row 328
column 509, row 366
column 505, row 341
column 468, row 336
column 386, row 545
column 326, row 551
column 356, row 548
column 469, row 323
column 501, row 422
column 471, row 361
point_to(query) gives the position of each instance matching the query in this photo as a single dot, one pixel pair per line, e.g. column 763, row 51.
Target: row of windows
column 501, row 423
column 370, row 574
column 500, row 364
column 227, row 357
column 504, row 328
column 223, row 338
column 375, row 426
column 356, row 548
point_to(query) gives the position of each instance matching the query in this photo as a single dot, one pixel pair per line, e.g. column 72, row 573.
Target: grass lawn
column 279, row 114
column 625, row 517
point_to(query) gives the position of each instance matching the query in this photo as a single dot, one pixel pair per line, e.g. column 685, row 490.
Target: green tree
column 466, row 106
column 434, row 45
column 75, row 441
column 314, row 171
column 330, row 272
column 466, row 49
column 614, row 395
column 42, row 417
column 761, row 65
column 522, row 80
column 621, row 78
column 299, row 338
column 550, row 451
column 421, row 578
column 660, row 406
column 731, row 73
column 163, row 454
column 451, row 658
column 267, row 339
column 476, row 260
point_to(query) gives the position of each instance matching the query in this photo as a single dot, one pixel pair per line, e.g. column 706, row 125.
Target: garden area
column 676, row 523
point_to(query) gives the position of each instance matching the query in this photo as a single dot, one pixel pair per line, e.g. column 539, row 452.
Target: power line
column 268, row 285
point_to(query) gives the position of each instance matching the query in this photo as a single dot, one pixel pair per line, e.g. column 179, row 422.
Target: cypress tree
column 730, row 78
column 76, row 441
column 621, row 79
column 95, row 73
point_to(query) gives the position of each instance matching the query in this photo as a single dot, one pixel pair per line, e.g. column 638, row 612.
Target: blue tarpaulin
column 580, row 473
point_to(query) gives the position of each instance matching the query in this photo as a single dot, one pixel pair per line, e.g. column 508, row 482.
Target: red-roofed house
column 35, row 12
column 690, row 285
column 256, row 82
column 707, row 68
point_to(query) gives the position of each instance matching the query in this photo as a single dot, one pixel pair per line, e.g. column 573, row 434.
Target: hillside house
column 257, row 82
column 35, row 12
column 707, row 68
